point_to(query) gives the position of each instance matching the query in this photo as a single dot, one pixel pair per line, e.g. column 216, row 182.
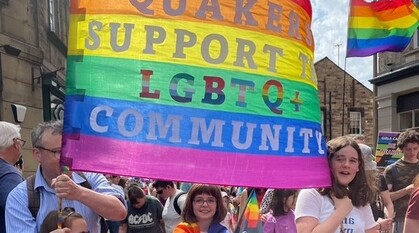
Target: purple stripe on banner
column 147, row 160
column 368, row 47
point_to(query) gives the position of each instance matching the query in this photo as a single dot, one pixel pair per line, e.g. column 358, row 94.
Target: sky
column 329, row 26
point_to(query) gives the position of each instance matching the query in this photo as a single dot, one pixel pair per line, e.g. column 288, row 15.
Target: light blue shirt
column 19, row 218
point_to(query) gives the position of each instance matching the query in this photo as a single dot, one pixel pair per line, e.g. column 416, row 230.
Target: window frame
column 413, row 119
column 416, row 35
column 358, row 120
column 53, row 15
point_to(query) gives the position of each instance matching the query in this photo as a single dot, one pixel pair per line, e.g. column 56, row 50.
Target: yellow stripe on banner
column 374, row 23
column 189, row 43
column 275, row 17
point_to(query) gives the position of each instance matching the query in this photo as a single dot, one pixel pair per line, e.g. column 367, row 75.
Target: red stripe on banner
column 162, row 162
column 306, row 5
column 381, row 5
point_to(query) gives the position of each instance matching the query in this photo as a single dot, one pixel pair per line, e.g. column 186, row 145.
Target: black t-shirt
column 147, row 218
column 377, row 205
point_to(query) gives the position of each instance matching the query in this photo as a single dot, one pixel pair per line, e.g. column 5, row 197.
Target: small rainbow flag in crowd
column 187, row 227
column 252, row 211
column 250, row 221
column 380, row 26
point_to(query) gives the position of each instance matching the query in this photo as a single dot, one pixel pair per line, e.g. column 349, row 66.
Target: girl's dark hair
column 279, row 198
column 197, row 189
column 122, row 182
column 19, row 163
column 70, row 217
column 358, row 189
column 51, row 220
column 135, row 192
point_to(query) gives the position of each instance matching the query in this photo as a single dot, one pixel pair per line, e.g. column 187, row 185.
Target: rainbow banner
column 380, row 26
column 218, row 92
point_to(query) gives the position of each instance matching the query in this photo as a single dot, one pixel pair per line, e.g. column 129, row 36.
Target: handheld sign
column 386, row 151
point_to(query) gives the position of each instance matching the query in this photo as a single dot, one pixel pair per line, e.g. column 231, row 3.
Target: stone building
column 396, row 86
column 33, row 48
column 346, row 104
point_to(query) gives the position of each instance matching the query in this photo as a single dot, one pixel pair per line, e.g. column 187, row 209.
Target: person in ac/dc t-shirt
column 144, row 213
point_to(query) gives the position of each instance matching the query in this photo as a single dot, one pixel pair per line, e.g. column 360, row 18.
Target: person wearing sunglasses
column 175, row 200
column 94, row 202
column 11, row 146
column 204, row 211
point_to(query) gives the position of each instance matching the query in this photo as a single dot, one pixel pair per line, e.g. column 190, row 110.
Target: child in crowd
column 203, row 211
column 228, row 220
column 281, row 217
column 72, row 222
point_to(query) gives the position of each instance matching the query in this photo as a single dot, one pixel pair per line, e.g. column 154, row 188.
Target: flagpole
column 61, row 217
column 344, row 72
column 343, row 98
column 374, row 102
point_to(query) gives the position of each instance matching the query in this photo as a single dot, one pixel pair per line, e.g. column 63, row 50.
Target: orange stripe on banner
column 287, row 19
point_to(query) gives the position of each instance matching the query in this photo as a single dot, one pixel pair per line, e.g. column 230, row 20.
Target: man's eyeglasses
column 55, row 152
column 201, row 201
column 159, row 191
column 22, row 142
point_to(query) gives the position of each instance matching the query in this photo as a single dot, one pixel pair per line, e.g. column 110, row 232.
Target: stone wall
column 24, row 24
column 357, row 96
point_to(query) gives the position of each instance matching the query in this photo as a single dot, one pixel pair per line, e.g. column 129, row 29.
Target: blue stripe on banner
column 192, row 128
column 394, row 43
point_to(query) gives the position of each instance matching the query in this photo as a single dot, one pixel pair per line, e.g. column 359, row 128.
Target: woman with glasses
column 203, row 211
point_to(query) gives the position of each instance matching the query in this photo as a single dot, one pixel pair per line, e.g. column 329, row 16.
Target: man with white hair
column 10, row 149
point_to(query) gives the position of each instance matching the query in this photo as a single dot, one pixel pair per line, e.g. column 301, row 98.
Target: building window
column 416, row 40
column 409, row 119
column 58, row 17
column 355, row 119
column 53, row 16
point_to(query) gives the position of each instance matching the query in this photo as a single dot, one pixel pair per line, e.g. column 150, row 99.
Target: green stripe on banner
column 230, row 91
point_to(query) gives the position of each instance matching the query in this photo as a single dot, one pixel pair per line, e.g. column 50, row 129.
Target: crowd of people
column 362, row 197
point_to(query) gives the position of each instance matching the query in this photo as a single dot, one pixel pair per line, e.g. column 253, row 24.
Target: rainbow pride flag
column 250, row 222
column 252, row 211
column 218, row 92
column 380, row 26
column 185, row 227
